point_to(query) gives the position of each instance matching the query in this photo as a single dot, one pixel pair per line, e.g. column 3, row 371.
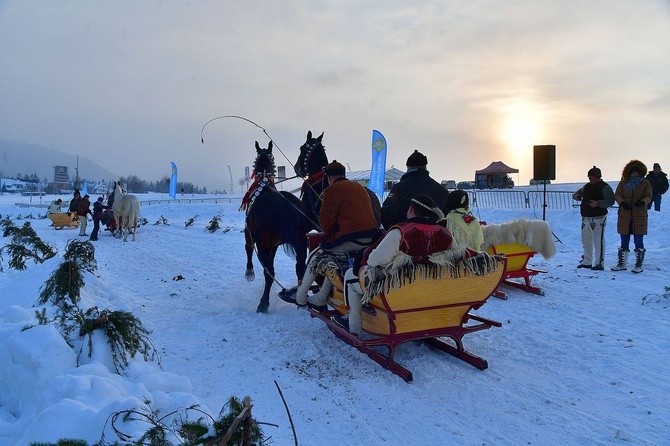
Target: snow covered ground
column 587, row 363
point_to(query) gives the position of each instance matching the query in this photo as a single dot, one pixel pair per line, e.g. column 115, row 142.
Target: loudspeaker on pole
column 544, row 162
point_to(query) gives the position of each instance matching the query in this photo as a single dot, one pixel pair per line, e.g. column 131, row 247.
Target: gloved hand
column 639, row 203
column 626, row 205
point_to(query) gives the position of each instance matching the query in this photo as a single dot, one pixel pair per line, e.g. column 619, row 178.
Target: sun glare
column 521, row 133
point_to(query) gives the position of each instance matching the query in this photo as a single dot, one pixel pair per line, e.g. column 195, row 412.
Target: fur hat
column 417, row 159
column 633, row 166
column 594, row 172
column 457, row 199
column 335, row 169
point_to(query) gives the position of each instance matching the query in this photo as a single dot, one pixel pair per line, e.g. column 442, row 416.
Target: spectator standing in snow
column 659, row 186
column 97, row 216
column 633, row 195
column 74, row 203
column 595, row 196
column 415, row 181
column 82, row 212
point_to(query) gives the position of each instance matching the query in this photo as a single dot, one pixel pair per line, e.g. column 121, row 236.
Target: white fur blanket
column 536, row 234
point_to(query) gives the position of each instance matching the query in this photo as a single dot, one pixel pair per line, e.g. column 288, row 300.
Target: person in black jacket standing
column 415, row 181
column 97, row 216
column 596, row 196
column 659, row 186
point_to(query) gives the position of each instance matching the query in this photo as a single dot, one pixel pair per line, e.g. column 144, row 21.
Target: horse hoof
column 262, row 309
column 250, row 275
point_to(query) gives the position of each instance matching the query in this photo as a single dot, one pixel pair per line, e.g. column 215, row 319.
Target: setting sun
column 522, row 133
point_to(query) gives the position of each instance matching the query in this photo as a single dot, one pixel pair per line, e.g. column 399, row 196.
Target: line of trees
column 133, row 183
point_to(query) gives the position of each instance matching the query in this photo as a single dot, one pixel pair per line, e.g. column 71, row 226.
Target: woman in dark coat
column 633, row 194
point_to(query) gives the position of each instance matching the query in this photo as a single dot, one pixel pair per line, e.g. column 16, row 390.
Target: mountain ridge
column 27, row 159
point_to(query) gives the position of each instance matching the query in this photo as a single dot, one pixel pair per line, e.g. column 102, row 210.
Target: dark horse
column 273, row 219
column 310, row 165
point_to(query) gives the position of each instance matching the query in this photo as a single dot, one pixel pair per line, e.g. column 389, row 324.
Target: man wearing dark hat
column 97, row 216
column 659, row 186
column 82, row 212
column 349, row 224
column 415, row 181
column 595, row 196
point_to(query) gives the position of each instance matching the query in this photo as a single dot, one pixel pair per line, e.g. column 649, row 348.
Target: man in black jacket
column 596, row 196
column 659, row 186
column 416, row 181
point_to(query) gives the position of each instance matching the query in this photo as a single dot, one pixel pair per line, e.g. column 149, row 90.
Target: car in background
column 448, row 184
column 466, row 185
column 534, row 182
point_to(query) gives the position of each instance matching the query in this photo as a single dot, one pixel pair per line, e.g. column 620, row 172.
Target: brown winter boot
column 622, row 260
column 639, row 258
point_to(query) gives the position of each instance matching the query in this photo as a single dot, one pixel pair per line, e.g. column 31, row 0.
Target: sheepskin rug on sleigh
column 536, row 234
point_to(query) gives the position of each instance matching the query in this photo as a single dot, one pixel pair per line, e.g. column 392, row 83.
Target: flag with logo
column 173, row 181
column 378, row 171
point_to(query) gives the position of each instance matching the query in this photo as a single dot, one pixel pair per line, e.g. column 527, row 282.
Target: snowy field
column 585, row 364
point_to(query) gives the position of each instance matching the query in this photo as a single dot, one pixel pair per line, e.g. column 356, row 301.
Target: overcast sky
column 129, row 84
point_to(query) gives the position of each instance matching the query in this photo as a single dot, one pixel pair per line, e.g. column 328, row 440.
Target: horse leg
column 266, row 257
column 300, row 259
column 249, row 248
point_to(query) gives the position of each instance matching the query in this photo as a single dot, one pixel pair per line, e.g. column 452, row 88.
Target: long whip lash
column 202, row 139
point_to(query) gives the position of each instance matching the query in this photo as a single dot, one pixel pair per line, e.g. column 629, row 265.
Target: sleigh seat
column 429, row 309
column 517, row 256
column 62, row 220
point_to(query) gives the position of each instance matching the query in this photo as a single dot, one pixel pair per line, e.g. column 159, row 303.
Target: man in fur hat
column 413, row 239
column 659, row 186
column 595, row 196
column 415, row 181
column 349, row 224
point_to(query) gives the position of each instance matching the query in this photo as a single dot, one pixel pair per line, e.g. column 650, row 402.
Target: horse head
column 264, row 164
column 312, row 157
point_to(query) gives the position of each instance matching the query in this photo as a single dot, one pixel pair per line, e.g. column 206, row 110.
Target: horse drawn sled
column 62, row 220
column 519, row 241
column 433, row 305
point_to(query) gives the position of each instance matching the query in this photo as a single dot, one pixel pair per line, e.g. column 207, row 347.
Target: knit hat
column 657, row 166
column 335, row 169
column 100, row 199
column 86, row 196
column 457, row 199
column 417, row 159
column 595, row 172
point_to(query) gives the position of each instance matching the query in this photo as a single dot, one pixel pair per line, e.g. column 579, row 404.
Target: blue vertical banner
column 378, row 171
column 173, row 181
column 84, row 188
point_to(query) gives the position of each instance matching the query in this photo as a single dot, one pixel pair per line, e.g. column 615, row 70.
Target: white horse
column 126, row 210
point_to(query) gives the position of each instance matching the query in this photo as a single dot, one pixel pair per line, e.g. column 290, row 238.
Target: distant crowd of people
column 81, row 208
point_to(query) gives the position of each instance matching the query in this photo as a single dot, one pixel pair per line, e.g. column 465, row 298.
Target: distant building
column 61, row 180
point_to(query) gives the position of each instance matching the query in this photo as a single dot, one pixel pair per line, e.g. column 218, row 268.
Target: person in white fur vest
column 418, row 237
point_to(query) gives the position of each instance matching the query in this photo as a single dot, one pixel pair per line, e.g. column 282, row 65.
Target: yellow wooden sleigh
column 422, row 309
column 517, row 256
column 62, row 220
